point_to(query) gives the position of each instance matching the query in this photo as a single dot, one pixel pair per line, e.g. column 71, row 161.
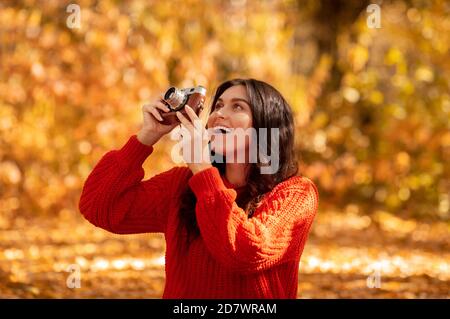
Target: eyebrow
column 235, row 99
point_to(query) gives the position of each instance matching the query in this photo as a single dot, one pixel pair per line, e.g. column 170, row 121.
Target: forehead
column 236, row 91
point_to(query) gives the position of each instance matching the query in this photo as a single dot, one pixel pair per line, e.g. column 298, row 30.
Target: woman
column 231, row 231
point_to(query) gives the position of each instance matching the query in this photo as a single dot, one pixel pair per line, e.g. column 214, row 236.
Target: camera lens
column 175, row 98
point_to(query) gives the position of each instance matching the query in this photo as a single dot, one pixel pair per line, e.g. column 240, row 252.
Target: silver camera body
column 176, row 99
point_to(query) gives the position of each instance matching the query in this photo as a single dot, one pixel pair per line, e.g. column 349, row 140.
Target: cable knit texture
column 234, row 256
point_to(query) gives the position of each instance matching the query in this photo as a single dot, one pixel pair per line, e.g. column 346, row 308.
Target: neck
column 236, row 173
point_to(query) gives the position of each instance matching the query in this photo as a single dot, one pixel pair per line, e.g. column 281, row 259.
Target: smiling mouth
column 222, row 130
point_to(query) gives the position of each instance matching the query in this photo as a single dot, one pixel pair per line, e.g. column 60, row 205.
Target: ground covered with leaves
column 348, row 255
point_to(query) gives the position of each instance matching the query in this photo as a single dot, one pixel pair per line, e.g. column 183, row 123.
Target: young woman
column 231, row 231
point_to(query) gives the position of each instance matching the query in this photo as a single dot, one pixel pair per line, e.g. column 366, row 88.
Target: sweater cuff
column 134, row 152
column 206, row 182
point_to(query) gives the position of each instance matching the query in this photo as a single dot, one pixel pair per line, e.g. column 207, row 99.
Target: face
column 232, row 111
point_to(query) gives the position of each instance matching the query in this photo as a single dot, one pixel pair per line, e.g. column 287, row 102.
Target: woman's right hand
column 152, row 130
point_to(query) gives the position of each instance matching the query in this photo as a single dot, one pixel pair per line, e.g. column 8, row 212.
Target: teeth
column 222, row 129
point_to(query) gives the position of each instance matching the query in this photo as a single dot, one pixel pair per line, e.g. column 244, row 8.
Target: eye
column 217, row 106
column 238, row 107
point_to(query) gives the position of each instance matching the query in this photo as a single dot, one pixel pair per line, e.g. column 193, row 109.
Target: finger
column 152, row 110
column 194, row 118
column 149, row 108
column 202, row 110
column 157, row 115
column 160, row 105
column 190, row 112
column 184, row 120
column 146, row 108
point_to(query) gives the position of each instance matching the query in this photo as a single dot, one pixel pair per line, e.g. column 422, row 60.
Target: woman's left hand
column 195, row 139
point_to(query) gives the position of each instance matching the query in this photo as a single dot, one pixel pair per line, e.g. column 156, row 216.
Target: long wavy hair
column 269, row 110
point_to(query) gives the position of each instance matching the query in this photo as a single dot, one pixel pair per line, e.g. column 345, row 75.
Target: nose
column 219, row 113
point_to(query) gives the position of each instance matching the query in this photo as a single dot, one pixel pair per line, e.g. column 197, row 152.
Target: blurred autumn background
column 372, row 110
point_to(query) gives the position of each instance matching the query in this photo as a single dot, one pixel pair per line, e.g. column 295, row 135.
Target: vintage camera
column 176, row 99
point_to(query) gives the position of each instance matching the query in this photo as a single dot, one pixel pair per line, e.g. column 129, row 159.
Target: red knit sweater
column 235, row 256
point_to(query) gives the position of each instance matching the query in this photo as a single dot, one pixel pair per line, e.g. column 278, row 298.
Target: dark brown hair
column 269, row 110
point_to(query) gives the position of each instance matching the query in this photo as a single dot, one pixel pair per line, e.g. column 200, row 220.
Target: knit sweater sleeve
column 275, row 234
column 115, row 198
